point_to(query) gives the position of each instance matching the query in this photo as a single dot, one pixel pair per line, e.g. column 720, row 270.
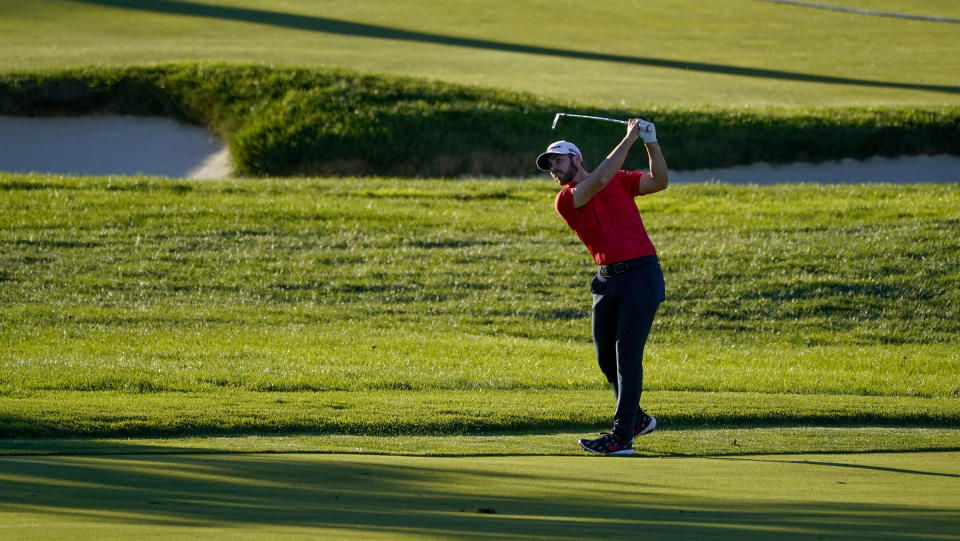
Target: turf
column 726, row 440
column 151, row 329
column 147, row 307
column 381, row 413
column 865, row 496
column 657, row 53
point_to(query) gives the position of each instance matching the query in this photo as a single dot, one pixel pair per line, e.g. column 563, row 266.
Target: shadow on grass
column 559, row 498
column 348, row 28
column 842, row 465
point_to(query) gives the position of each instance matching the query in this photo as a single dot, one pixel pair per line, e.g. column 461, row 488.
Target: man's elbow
column 660, row 182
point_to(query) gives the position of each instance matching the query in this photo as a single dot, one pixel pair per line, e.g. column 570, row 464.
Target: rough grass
column 445, row 412
column 390, row 292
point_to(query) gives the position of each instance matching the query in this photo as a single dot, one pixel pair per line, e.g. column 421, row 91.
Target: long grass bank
column 292, row 121
column 348, row 294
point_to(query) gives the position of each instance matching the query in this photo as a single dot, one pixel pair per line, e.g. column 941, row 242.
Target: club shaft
column 594, row 118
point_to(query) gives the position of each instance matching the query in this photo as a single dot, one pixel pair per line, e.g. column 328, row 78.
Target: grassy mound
column 292, row 121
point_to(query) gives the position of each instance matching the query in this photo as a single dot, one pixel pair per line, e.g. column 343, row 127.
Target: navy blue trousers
column 624, row 306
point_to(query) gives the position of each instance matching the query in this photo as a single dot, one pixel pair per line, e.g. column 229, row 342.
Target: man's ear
column 577, row 160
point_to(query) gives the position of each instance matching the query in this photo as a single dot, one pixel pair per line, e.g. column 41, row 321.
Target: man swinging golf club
column 628, row 287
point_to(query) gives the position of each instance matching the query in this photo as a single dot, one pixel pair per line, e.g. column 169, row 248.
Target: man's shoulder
column 566, row 208
column 619, row 183
column 629, row 181
column 563, row 199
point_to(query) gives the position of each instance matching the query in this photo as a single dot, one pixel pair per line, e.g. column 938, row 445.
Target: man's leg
column 604, row 318
column 635, row 324
column 604, row 321
column 636, row 311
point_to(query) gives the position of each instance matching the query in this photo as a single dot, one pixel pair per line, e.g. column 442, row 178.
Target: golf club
column 557, row 119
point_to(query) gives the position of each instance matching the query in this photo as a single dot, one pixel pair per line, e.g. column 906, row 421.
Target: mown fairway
column 371, row 497
column 743, row 53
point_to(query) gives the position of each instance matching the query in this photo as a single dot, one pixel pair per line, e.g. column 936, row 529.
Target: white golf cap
column 557, row 147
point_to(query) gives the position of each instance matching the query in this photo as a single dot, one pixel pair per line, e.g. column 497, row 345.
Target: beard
column 565, row 176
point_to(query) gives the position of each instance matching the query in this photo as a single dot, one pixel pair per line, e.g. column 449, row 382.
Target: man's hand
column 633, row 128
column 648, row 132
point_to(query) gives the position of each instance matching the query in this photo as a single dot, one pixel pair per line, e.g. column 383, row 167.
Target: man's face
column 562, row 168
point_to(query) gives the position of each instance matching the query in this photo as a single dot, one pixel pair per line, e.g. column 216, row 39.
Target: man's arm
column 656, row 180
column 588, row 187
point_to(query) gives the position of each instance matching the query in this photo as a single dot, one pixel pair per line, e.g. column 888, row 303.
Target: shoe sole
column 623, row 452
column 648, row 429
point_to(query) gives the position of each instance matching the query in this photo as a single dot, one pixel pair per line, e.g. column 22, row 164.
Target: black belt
column 628, row 265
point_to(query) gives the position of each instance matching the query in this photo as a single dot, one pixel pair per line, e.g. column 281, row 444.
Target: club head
column 555, row 120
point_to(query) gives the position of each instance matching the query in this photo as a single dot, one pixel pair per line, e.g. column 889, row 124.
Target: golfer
column 628, row 287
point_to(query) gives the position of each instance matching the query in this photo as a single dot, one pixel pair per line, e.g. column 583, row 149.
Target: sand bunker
column 124, row 145
column 902, row 170
column 111, row 145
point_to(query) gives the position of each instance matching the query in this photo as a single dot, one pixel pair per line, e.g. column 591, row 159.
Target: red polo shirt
column 609, row 224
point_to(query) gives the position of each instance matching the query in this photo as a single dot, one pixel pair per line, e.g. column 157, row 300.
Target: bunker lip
column 128, row 145
column 111, row 145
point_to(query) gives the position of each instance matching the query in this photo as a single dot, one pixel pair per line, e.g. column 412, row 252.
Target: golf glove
column 648, row 132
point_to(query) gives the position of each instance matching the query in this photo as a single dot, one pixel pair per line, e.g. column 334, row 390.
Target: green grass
column 432, row 412
column 308, row 121
column 689, row 442
column 142, row 317
column 381, row 497
column 147, row 306
column 343, row 89
column 740, row 53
